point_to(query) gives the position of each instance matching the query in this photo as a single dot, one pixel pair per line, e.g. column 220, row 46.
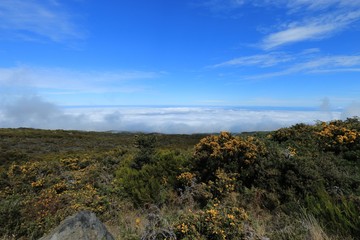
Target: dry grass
column 7, row 238
column 314, row 229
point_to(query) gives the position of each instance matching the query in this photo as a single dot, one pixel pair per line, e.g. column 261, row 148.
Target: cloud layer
column 36, row 113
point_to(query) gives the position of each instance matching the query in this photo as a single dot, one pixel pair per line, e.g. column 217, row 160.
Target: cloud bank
column 34, row 112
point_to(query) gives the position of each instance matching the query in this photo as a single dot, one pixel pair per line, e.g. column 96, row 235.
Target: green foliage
column 146, row 145
column 154, row 181
column 290, row 179
column 294, row 176
column 295, row 132
column 216, row 221
column 10, row 215
column 339, row 213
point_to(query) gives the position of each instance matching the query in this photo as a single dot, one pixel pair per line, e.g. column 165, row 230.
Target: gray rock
column 81, row 226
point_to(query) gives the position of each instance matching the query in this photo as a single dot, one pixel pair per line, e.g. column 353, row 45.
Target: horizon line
column 238, row 107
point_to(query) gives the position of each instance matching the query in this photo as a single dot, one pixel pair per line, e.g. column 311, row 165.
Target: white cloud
column 324, row 65
column 331, row 62
column 310, row 5
column 315, row 28
column 262, row 60
column 34, row 19
column 71, row 81
column 304, row 19
column 296, row 34
column 37, row 113
column 294, row 6
column 220, row 5
column 29, row 111
column 308, row 61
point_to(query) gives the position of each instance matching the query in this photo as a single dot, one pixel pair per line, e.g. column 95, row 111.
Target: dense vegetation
column 301, row 182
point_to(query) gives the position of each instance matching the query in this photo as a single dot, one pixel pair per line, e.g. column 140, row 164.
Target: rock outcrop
column 81, row 226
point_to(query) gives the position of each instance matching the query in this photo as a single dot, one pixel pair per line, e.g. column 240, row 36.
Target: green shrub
column 153, row 182
column 10, row 216
column 145, row 145
column 216, row 221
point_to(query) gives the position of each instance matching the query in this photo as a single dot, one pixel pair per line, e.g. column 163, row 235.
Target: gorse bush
column 223, row 185
column 213, row 222
column 49, row 187
column 337, row 138
column 233, row 154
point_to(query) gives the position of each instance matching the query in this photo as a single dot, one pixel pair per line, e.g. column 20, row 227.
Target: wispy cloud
column 34, row 19
column 261, row 60
column 73, row 81
column 304, row 19
column 314, row 29
column 221, row 5
column 310, row 5
column 296, row 34
column 328, row 64
column 309, row 61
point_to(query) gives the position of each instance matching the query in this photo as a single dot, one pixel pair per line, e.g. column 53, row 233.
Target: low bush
column 153, row 182
column 216, row 222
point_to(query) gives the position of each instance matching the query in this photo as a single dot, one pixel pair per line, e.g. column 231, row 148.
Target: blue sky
column 290, row 53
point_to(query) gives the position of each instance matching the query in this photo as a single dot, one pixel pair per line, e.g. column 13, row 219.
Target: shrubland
column 300, row 182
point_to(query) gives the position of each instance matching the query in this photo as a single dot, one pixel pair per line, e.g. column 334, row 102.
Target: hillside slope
column 301, row 182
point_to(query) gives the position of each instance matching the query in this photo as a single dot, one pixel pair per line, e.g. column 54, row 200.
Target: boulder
column 81, row 226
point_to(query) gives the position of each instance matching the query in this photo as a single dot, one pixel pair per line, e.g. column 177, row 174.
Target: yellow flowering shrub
column 14, row 170
column 75, row 163
column 335, row 137
column 38, row 184
column 53, row 189
column 186, row 179
column 214, row 222
column 290, row 152
column 223, row 184
column 225, row 151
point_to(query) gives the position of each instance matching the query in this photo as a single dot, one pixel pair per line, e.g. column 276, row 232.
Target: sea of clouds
column 34, row 112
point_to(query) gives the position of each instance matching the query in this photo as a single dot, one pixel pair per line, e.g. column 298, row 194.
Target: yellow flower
column 137, row 222
column 38, row 183
column 183, row 228
column 230, row 216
